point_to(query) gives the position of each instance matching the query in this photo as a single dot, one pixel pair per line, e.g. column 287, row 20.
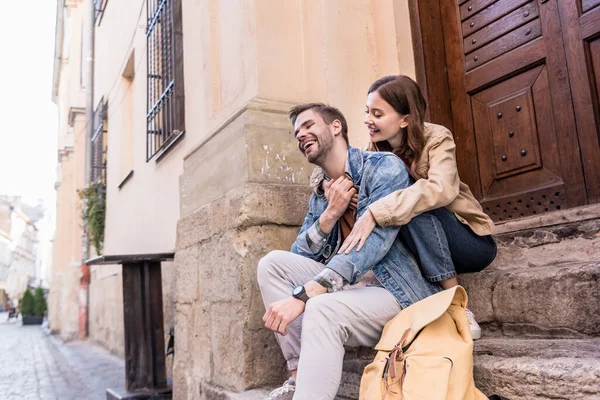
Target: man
column 301, row 289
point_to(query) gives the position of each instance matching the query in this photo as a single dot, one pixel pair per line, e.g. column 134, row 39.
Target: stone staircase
column 539, row 307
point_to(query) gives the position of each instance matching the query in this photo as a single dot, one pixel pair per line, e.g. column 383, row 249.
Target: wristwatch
column 300, row 293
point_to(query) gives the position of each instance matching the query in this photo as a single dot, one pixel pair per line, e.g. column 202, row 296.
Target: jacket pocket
column 426, row 378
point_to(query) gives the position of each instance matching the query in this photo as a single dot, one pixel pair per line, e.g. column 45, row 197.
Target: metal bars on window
column 98, row 159
column 165, row 76
column 99, row 7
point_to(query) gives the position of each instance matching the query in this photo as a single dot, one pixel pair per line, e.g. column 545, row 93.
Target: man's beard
column 325, row 144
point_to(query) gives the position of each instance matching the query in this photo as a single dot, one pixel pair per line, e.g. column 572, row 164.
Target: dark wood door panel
column 590, row 24
column 510, row 41
column 489, row 15
column 502, row 26
column 516, row 135
column 505, row 65
column 472, row 7
column 581, row 51
column 526, row 203
column 587, row 5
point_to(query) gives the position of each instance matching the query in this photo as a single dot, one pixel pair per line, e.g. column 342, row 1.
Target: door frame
column 430, row 59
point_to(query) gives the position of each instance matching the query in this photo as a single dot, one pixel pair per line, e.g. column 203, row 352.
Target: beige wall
column 66, row 262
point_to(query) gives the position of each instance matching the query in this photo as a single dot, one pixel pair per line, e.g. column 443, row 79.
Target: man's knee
column 321, row 311
column 269, row 264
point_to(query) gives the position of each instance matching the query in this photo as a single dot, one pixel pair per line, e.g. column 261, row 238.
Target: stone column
column 243, row 193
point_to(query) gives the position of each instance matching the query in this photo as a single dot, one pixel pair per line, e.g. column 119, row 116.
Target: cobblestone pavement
column 34, row 365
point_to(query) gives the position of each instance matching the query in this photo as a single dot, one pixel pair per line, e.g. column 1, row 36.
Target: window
column 99, row 7
column 98, row 160
column 165, row 109
column 127, row 116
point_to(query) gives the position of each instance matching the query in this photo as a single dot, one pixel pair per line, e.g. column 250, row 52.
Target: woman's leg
column 470, row 252
column 444, row 246
column 424, row 235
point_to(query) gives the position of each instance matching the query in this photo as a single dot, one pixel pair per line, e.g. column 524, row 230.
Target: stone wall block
column 273, row 204
column 184, row 326
column 264, row 364
column 253, row 244
column 200, row 337
column 220, row 270
column 201, row 224
column 567, row 243
column 562, row 296
column 186, row 275
column 480, row 288
column 273, row 156
column 227, row 325
column 261, row 149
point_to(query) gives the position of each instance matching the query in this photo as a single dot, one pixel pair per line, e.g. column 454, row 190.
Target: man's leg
column 355, row 317
column 279, row 272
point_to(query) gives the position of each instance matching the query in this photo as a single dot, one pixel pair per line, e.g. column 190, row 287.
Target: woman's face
column 382, row 121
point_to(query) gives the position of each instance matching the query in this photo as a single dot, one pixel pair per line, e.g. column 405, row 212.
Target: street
column 34, row 365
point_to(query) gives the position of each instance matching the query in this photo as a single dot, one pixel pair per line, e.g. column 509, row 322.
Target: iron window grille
column 99, row 142
column 165, row 108
column 99, row 7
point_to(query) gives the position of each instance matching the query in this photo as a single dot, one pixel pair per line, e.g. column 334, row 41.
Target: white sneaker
column 285, row 392
column 475, row 328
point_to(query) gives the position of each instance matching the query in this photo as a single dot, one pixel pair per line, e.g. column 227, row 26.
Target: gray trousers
column 314, row 344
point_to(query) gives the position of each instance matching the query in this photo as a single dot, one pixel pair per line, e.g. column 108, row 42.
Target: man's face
column 315, row 137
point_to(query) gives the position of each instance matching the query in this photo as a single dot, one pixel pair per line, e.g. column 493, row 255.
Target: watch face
column 298, row 290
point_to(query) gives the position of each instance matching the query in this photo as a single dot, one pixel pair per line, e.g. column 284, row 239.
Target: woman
column 442, row 223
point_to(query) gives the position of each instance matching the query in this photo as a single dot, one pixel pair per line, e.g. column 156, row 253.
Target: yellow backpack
column 425, row 353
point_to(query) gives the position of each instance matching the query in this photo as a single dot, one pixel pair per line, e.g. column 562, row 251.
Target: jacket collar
column 354, row 166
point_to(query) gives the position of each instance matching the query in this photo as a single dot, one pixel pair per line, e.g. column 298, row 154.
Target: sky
column 28, row 127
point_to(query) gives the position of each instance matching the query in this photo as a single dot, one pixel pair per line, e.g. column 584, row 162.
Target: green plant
column 39, row 303
column 26, row 305
column 94, row 213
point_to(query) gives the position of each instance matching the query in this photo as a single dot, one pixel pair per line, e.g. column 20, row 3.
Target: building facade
column 68, row 92
column 193, row 147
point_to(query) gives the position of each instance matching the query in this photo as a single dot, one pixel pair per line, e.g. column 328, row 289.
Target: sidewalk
column 34, row 365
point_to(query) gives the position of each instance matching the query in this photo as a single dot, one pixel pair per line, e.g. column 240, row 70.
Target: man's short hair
column 328, row 113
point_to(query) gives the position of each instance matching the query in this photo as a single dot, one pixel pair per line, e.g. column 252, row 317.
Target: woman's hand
column 360, row 232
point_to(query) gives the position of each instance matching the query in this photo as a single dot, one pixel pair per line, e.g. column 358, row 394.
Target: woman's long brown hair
column 404, row 95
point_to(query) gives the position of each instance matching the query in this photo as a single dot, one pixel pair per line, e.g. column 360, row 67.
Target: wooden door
column 580, row 20
column 512, row 109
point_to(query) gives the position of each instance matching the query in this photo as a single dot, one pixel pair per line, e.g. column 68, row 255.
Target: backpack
column 425, row 353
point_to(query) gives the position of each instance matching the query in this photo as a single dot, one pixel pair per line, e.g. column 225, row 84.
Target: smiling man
column 317, row 301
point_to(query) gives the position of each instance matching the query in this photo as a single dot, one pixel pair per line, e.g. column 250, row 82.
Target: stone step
column 545, row 301
column 519, row 369
column 524, row 369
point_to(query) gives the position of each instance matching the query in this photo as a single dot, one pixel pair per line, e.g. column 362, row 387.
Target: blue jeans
column 444, row 246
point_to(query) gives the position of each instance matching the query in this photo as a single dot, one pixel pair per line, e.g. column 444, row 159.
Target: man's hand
column 339, row 196
column 281, row 313
column 353, row 201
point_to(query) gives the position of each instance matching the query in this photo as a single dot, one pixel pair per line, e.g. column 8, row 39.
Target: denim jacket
column 375, row 175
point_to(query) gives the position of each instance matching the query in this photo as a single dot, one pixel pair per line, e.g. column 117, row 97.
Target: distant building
column 20, row 253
